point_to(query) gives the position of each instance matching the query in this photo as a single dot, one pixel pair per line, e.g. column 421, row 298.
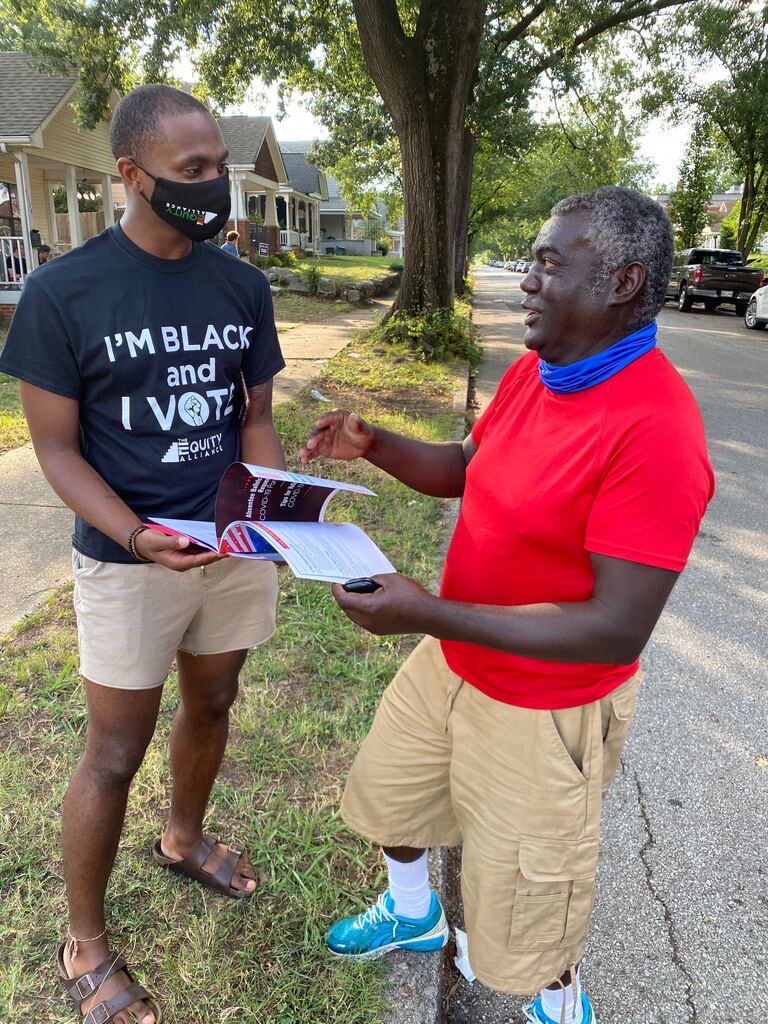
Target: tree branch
column 626, row 14
column 518, row 30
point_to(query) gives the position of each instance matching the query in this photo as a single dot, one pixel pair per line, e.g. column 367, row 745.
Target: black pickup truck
column 712, row 276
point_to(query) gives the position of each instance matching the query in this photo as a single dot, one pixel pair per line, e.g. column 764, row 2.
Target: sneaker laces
column 378, row 913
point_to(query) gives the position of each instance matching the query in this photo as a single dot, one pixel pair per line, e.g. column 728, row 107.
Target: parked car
column 756, row 315
column 712, row 277
column 524, row 266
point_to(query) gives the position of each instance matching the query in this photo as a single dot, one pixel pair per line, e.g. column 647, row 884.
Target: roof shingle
column 27, row 95
column 243, row 137
column 301, row 175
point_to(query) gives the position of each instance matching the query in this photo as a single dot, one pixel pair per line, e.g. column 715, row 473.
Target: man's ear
column 130, row 174
column 627, row 284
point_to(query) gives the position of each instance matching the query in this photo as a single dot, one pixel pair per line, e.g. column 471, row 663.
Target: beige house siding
column 40, row 206
column 64, row 141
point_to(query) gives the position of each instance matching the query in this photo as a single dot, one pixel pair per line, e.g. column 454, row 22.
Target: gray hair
column 627, row 227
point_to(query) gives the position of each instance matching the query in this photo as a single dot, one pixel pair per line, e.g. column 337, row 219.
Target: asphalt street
column 680, row 929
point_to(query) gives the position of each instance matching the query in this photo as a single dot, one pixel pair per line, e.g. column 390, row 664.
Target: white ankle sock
column 409, row 886
column 552, row 1003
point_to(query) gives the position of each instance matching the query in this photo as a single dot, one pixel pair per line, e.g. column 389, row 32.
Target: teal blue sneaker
column 536, row 1015
column 378, row 930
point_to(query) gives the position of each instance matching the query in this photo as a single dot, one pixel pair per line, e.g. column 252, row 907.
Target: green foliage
column 315, row 47
column 435, row 336
column 383, row 245
column 729, row 228
column 274, row 261
column 727, row 236
column 289, row 258
column 581, row 143
column 696, row 182
column 733, row 36
column 312, row 276
column 13, row 425
column 87, row 200
column 255, row 217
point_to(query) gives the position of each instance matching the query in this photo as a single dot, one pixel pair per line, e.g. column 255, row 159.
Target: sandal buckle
column 235, row 848
column 84, row 986
column 100, row 1009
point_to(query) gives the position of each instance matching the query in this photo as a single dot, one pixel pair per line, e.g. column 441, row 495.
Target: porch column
column 238, row 212
column 52, row 215
column 73, row 207
column 21, row 170
column 270, row 211
column 106, row 200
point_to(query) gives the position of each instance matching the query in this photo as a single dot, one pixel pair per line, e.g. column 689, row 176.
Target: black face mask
column 197, row 209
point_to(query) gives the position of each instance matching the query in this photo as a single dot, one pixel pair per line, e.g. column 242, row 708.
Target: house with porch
column 342, row 228
column 307, row 189
column 42, row 148
column 258, row 183
column 276, row 189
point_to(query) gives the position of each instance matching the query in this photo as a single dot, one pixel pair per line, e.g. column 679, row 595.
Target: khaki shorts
column 131, row 619
column 522, row 788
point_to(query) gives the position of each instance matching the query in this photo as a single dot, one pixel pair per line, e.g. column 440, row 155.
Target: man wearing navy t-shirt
column 146, row 358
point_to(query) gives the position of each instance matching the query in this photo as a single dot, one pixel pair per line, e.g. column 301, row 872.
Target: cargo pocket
column 622, row 710
column 554, row 892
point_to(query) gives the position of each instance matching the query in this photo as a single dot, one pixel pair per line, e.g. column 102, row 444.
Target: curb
column 415, row 985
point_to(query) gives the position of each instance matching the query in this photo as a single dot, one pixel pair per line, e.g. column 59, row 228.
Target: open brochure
column 272, row 514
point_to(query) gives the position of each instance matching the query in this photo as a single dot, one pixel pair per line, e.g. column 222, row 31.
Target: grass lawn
column 350, row 268
column 292, row 310
column 306, row 701
column 13, row 426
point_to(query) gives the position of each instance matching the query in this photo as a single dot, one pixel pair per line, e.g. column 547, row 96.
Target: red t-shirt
column 620, row 469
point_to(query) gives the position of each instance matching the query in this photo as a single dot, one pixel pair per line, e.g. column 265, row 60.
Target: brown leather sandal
column 191, row 866
column 83, row 986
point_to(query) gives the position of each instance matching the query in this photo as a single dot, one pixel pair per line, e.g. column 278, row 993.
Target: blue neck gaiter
column 585, row 373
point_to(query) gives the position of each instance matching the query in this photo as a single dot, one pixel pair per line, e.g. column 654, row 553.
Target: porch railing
column 13, row 267
column 290, row 237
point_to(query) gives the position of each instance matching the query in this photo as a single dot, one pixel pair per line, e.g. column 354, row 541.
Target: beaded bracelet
column 132, row 543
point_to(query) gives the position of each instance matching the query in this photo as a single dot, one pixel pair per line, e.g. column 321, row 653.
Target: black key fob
column 362, row 586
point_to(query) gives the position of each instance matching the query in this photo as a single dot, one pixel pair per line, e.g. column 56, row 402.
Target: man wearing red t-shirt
column 583, row 487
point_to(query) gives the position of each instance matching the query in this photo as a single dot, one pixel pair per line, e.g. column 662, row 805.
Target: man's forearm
column 260, row 446
column 576, row 633
column 88, row 494
column 430, row 468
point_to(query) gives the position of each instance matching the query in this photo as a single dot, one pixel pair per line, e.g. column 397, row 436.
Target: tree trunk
column 425, row 81
column 462, row 219
column 754, row 206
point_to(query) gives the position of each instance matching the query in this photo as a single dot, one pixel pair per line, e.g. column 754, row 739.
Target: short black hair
column 135, row 122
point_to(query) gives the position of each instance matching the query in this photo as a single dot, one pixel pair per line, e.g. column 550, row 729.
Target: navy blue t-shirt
column 152, row 349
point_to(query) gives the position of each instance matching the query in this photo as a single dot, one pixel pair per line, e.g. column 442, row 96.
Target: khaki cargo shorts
column 131, row 619
column 521, row 788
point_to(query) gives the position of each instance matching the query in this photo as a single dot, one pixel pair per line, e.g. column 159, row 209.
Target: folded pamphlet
column 271, row 514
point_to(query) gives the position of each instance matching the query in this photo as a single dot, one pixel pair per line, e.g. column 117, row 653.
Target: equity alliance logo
column 185, row 450
column 186, row 213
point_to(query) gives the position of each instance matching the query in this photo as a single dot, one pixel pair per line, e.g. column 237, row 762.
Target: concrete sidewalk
column 36, row 528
